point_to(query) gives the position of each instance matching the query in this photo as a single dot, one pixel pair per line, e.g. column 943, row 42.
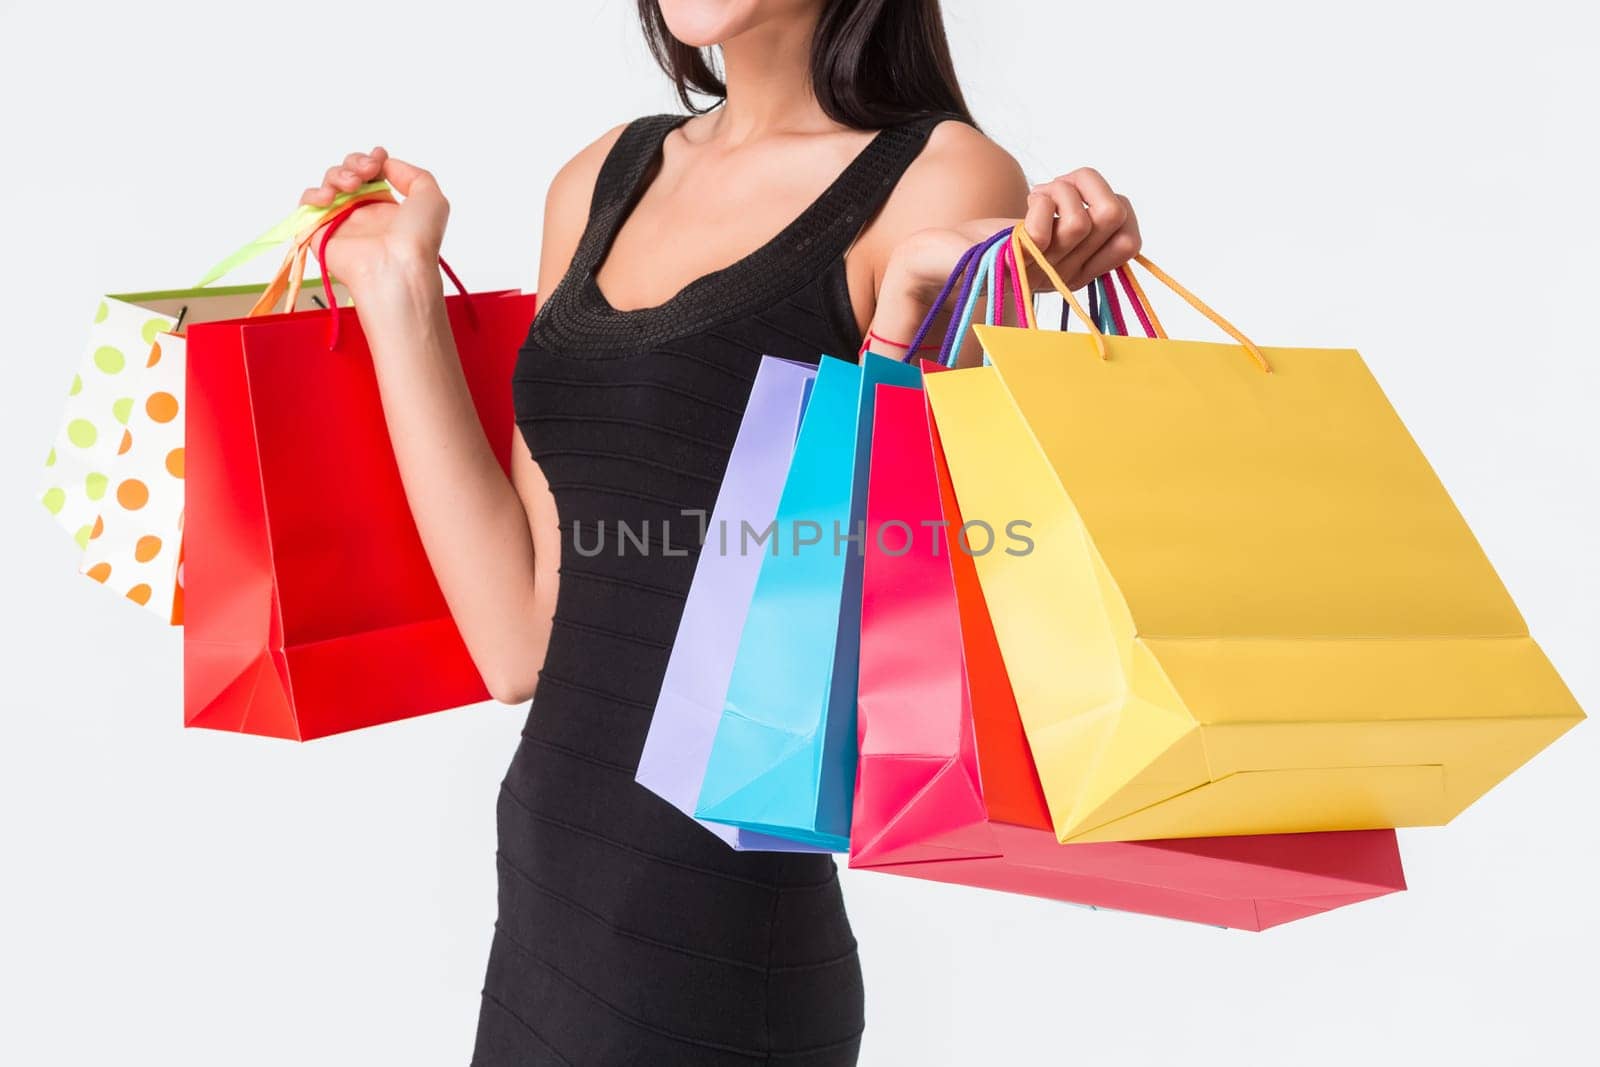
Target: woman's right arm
column 493, row 543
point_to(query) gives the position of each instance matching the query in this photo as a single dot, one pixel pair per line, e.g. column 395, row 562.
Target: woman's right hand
column 383, row 243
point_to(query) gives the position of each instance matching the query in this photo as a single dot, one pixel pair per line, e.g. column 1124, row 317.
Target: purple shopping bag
column 678, row 745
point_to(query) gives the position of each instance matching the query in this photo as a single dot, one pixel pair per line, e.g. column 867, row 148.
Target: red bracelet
column 872, row 336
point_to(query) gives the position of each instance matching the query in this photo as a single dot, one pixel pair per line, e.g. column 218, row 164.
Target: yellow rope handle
column 1022, row 244
column 1199, row 305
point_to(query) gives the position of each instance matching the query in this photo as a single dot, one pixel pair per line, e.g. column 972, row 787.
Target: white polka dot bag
column 114, row 476
column 116, row 485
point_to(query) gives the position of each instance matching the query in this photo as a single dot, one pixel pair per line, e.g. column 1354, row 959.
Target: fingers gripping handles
column 990, row 268
column 1003, row 255
column 328, row 229
column 299, row 230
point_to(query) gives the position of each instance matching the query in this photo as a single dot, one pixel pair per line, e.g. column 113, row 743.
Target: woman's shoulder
column 959, row 174
column 956, row 145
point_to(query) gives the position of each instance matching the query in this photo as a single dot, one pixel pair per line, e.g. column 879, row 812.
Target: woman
column 627, row 934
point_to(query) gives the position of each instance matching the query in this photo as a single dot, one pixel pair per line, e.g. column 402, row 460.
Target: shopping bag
column 946, row 789
column 678, row 745
column 1251, row 607
column 311, row 607
column 933, row 702
column 783, row 758
column 116, row 486
column 114, row 475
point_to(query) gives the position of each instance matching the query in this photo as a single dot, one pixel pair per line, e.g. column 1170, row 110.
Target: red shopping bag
column 310, row 606
column 946, row 789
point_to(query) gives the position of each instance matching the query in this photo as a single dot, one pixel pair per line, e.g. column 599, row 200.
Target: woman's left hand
column 1083, row 226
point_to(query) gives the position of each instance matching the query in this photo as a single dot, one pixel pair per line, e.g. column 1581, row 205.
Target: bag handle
column 1113, row 307
column 298, row 229
column 1097, row 310
column 938, row 302
column 958, row 275
column 286, row 283
column 297, row 225
column 1141, row 303
column 1005, row 273
column 1105, row 308
column 992, row 262
column 1021, row 242
column 328, row 229
column 1020, row 238
column 983, row 271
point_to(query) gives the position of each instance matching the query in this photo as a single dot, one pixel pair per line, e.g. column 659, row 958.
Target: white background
column 1413, row 179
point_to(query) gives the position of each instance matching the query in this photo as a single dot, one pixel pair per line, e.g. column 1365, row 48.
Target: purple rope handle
column 965, row 271
column 938, row 302
column 1113, row 305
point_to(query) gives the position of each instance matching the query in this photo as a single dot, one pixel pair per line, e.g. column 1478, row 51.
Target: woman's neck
column 767, row 70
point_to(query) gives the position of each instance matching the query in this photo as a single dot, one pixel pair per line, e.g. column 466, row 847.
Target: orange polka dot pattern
column 114, row 476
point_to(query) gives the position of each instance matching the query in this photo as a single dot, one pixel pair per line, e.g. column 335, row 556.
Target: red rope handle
column 327, row 279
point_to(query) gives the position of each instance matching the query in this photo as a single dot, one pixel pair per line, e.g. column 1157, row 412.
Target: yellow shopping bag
column 1250, row 606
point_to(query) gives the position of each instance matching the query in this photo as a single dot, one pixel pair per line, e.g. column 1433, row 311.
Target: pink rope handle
column 327, row 279
column 1133, row 299
column 1008, row 268
column 1114, row 306
column 997, row 310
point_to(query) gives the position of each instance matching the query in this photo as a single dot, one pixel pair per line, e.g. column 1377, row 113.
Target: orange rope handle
column 1021, row 243
column 1199, row 305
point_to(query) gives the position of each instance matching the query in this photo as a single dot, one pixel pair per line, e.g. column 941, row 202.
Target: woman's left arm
column 963, row 188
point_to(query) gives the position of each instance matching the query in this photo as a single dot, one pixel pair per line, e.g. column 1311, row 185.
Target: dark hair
column 873, row 62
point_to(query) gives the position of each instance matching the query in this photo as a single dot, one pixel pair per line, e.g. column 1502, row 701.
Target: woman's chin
column 705, row 23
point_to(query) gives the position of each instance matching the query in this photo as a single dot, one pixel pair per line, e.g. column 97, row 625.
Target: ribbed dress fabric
column 626, row 933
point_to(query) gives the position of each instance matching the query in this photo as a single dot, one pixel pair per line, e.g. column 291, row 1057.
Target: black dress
column 627, row 934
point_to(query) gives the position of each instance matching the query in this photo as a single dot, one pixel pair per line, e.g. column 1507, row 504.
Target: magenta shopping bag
column 678, row 745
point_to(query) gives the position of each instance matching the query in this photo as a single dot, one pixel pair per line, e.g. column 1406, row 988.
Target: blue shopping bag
column 689, row 706
column 784, row 757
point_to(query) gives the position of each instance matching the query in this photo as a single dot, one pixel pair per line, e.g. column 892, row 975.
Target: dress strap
column 623, row 170
column 861, row 190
